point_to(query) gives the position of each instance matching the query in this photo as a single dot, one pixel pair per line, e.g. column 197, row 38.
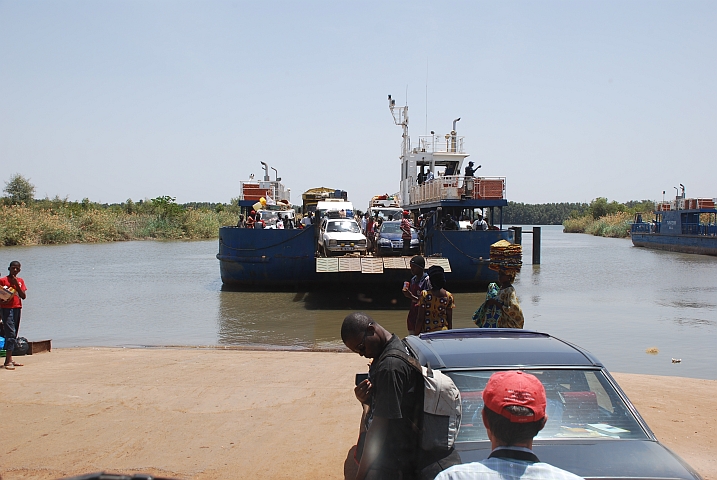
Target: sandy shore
column 209, row 414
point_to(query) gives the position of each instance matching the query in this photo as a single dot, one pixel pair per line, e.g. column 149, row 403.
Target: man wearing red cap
column 513, row 413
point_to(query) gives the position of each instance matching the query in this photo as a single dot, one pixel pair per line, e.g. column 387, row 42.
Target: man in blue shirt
column 513, row 413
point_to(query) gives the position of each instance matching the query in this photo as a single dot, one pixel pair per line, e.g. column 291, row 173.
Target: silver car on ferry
column 338, row 236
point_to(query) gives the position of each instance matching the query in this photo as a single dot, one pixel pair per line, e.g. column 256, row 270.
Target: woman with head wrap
column 503, row 304
column 435, row 311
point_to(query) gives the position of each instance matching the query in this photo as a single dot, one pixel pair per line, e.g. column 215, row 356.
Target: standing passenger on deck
column 480, row 224
column 370, row 234
column 435, row 311
column 406, row 233
column 10, row 311
column 306, row 221
column 251, row 219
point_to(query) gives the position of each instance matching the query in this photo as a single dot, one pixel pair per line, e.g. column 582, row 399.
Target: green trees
column 542, row 213
column 600, row 207
column 19, row 190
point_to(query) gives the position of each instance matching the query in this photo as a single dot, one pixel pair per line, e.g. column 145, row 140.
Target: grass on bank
column 616, row 225
column 607, row 219
column 46, row 222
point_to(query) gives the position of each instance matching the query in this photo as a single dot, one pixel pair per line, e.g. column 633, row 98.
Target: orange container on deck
column 490, row 188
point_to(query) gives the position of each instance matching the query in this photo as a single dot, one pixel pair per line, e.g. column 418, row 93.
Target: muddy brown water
column 603, row 294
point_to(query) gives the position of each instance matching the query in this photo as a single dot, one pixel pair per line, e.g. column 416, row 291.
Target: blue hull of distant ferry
column 677, row 231
column 699, row 244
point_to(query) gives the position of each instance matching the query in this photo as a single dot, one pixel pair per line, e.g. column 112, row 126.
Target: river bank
column 615, row 226
column 54, row 223
column 210, row 414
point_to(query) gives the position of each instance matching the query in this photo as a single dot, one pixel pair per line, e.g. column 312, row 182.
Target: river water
column 602, row 294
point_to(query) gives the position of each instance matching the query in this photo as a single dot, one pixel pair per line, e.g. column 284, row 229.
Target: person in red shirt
column 251, row 220
column 370, row 233
column 406, row 233
column 10, row 310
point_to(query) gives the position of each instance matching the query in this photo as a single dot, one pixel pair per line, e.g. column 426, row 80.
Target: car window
column 390, row 228
column 343, row 226
column 581, row 404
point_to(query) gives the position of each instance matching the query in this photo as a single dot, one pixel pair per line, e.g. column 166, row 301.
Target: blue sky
column 569, row 100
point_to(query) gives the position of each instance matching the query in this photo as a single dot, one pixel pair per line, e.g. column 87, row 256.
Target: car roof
column 497, row 347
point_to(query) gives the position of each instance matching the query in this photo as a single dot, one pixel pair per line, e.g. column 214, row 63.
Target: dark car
column 389, row 241
column 593, row 430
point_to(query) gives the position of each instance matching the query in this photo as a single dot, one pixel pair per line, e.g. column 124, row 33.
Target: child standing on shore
column 10, row 311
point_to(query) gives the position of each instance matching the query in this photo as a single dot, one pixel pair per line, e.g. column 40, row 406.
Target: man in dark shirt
column 390, row 399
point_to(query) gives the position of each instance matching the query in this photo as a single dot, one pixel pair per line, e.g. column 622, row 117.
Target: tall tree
column 19, row 189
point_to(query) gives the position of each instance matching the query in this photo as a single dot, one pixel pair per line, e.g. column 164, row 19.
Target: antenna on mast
column 426, row 132
column 400, row 117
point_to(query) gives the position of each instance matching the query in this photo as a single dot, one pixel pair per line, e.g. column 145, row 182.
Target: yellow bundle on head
column 505, row 255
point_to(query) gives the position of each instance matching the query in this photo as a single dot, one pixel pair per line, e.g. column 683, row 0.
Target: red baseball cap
column 515, row 388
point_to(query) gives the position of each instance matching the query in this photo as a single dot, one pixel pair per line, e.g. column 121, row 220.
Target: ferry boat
column 442, row 202
column 687, row 225
column 434, row 191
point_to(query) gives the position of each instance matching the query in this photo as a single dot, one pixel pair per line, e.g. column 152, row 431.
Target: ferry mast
column 430, row 154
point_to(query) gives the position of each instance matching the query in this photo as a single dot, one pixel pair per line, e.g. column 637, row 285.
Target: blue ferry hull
column 468, row 252
column 698, row 244
column 686, row 231
column 271, row 259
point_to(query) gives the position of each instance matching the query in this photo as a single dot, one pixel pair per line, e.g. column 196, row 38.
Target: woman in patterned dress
column 511, row 315
column 435, row 311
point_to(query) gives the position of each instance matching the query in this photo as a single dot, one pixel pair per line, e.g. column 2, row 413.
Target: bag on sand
column 21, row 347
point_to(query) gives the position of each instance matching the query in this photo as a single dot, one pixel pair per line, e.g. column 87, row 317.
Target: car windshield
column 581, row 404
column 388, row 214
column 343, row 226
column 390, row 228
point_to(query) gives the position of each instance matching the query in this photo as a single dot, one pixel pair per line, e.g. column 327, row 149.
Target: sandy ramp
column 206, row 414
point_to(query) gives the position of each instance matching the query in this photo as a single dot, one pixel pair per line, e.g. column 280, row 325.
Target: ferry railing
column 642, row 227
column 691, row 229
column 456, row 187
column 434, row 144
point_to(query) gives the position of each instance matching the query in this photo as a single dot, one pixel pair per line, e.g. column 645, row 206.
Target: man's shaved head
column 355, row 324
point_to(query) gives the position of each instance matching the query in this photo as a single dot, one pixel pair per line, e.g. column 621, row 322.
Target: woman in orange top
column 435, row 311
